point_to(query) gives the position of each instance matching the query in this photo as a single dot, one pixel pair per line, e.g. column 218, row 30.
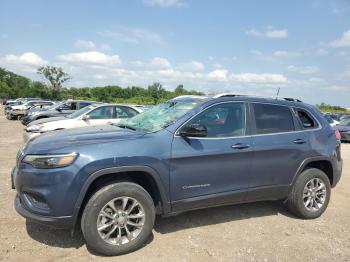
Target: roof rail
column 227, row 95
column 235, row 95
column 292, row 99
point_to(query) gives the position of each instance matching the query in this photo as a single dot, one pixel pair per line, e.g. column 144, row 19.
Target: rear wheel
column 118, row 219
column 310, row 194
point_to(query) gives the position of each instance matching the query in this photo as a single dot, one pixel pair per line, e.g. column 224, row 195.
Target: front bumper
column 65, row 222
column 47, row 196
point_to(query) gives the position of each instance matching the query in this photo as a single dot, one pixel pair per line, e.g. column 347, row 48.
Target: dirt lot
column 251, row 232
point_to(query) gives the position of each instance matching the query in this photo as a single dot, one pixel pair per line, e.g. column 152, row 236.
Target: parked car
column 93, row 115
column 188, row 153
column 18, row 111
column 65, row 108
column 344, row 128
column 331, row 120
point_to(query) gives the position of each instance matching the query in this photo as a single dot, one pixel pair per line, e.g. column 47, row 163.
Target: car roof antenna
column 278, row 92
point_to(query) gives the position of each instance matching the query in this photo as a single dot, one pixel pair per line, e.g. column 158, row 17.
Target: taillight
column 337, row 134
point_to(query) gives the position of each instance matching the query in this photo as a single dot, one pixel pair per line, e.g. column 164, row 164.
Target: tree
column 54, row 75
column 5, row 91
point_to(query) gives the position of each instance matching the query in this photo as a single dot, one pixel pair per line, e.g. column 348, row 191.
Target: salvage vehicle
column 18, row 111
column 344, row 129
column 63, row 109
column 93, row 115
column 188, row 153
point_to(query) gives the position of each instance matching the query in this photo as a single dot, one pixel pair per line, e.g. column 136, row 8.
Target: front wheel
column 310, row 194
column 118, row 219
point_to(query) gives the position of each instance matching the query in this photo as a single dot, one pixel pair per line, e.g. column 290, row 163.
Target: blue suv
column 188, row 153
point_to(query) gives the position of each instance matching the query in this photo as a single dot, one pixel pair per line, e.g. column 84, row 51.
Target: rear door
column 102, row 115
column 124, row 112
column 279, row 145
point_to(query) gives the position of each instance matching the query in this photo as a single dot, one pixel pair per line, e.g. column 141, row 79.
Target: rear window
column 306, row 120
column 272, row 119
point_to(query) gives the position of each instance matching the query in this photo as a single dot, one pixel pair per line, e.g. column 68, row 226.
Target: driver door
column 217, row 164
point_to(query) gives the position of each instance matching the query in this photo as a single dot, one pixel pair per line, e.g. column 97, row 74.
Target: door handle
column 240, row 146
column 299, row 141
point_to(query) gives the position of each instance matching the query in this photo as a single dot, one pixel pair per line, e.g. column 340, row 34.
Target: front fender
column 115, row 170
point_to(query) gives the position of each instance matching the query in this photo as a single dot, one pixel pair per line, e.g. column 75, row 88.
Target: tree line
column 13, row 86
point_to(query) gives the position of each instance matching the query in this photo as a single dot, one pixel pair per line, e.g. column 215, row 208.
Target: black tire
column 99, row 200
column 295, row 201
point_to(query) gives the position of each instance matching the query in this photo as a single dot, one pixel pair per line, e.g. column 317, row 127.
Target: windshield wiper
column 126, row 126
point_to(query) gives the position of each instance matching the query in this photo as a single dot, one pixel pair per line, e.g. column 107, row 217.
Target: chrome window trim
column 176, row 134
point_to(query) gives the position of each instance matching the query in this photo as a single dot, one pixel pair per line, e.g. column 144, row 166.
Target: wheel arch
column 322, row 163
column 142, row 175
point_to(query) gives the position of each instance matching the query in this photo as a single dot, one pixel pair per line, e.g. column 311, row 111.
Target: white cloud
column 268, row 32
column 160, row 62
column 92, row 57
column 321, row 52
column 276, row 55
column 343, row 41
column 259, row 78
column 338, row 88
column 217, row 66
column 27, row 62
column 133, row 35
column 218, row 74
column 191, row 66
column 164, row 3
column 303, row 69
column 85, row 44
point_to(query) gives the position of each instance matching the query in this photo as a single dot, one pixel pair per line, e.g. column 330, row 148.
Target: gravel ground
column 252, row 232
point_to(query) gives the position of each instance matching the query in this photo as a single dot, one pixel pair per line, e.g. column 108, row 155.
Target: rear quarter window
column 305, row 119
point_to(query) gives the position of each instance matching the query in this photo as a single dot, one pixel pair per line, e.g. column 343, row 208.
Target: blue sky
column 250, row 47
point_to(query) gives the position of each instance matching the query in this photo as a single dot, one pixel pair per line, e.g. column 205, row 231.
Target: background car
column 331, row 120
column 63, row 109
column 344, row 129
column 93, row 115
column 18, row 111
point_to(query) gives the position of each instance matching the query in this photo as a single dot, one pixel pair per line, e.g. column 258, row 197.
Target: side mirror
column 85, row 117
column 194, row 130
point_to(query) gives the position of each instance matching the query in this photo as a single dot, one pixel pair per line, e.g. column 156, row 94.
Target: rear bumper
column 66, row 222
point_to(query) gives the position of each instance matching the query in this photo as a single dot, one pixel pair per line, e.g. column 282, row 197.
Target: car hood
column 58, row 140
column 47, row 120
column 342, row 128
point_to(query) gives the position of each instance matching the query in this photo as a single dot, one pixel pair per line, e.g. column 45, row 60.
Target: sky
column 244, row 47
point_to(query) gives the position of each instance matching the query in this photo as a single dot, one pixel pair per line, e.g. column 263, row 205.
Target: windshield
column 345, row 122
column 160, row 116
column 80, row 112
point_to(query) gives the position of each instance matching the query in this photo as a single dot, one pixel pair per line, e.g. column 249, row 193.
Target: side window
column 104, row 112
column 223, row 120
column 73, row 106
column 125, row 112
column 83, row 104
column 307, row 122
column 272, row 119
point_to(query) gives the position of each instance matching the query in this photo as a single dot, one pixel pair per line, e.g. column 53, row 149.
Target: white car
column 17, row 111
column 93, row 115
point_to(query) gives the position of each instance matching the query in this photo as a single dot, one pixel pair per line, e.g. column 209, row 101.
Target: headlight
column 34, row 128
column 50, row 161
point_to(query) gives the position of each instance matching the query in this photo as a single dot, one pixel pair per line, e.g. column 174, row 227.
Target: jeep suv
column 188, row 153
